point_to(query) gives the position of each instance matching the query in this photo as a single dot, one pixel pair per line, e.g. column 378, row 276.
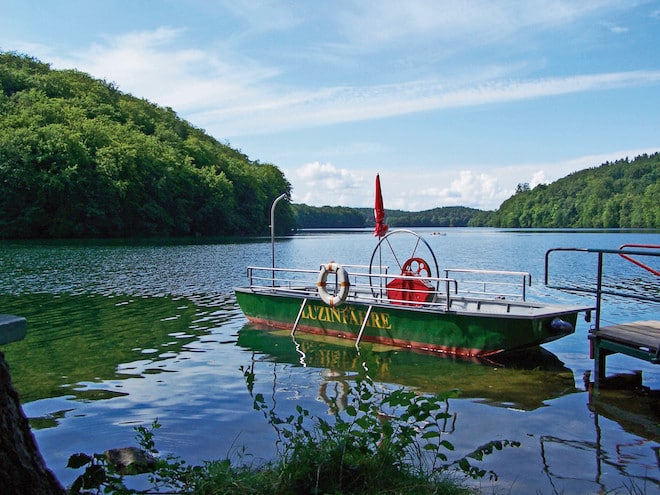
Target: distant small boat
column 465, row 312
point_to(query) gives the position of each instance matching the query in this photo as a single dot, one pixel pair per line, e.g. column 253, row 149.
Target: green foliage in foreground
column 78, row 158
column 381, row 443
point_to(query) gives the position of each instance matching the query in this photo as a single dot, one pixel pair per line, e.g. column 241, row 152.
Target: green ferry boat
column 464, row 312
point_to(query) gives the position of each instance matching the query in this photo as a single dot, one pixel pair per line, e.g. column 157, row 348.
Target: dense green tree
column 310, row 217
column 78, row 158
column 448, row 216
column 623, row 194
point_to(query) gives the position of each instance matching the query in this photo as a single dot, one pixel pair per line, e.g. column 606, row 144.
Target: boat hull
column 453, row 332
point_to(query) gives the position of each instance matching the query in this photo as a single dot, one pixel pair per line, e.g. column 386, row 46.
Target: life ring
column 342, row 279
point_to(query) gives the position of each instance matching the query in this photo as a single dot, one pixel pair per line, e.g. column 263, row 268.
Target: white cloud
column 378, row 22
column 538, row 178
column 296, row 109
column 321, row 184
column 618, row 29
column 444, row 188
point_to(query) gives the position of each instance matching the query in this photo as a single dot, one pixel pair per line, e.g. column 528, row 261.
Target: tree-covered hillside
column 448, row 216
column 78, row 158
column 328, row 217
column 623, row 194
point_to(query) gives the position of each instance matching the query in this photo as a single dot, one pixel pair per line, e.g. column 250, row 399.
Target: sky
column 452, row 102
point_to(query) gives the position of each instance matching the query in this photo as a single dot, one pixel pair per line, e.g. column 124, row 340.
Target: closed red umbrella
column 379, row 211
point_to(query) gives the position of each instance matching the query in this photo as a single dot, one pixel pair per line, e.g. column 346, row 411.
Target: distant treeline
column 623, row 194
column 310, row 217
column 78, row 158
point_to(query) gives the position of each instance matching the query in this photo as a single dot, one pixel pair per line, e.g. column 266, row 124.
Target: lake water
column 120, row 334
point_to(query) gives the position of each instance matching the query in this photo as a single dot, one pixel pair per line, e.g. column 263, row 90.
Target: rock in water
column 130, row 459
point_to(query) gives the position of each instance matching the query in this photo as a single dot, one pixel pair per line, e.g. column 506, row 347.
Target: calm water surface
column 121, row 334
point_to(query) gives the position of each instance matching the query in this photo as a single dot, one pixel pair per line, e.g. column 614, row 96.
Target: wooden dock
column 640, row 339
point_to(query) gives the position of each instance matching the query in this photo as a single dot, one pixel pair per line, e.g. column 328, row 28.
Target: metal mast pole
column 272, row 232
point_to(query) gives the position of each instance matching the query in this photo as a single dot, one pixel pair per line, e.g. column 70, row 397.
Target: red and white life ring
column 342, row 279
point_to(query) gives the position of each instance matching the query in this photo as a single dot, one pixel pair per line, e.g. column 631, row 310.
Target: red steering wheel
column 415, row 266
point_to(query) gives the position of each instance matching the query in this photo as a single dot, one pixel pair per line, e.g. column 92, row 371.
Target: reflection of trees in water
column 335, row 389
column 75, row 340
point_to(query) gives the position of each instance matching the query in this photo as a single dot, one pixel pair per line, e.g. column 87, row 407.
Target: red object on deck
column 409, row 292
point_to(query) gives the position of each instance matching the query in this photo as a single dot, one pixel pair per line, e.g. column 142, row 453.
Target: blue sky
column 454, row 103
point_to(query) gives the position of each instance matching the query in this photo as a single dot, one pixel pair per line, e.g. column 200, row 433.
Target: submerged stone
column 12, row 328
column 130, row 459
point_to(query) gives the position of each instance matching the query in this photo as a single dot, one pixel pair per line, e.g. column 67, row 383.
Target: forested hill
column 622, row 194
column 78, row 158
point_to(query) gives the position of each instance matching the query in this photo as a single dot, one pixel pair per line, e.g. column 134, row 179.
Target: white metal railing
column 495, row 283
column 373, row 287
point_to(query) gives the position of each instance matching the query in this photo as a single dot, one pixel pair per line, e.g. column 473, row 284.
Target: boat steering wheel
column 387, row 254
column 415, row 266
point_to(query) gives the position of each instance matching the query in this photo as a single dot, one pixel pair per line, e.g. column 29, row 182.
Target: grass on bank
column 381, row 443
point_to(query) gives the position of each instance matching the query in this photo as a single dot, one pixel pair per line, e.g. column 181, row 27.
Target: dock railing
column 640, row 339
column 601, row 289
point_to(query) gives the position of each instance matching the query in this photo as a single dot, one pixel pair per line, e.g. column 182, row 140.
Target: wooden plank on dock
column 639, row 339
column 636, row 334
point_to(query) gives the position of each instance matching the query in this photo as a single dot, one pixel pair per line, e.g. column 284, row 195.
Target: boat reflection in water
column 522, row 380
